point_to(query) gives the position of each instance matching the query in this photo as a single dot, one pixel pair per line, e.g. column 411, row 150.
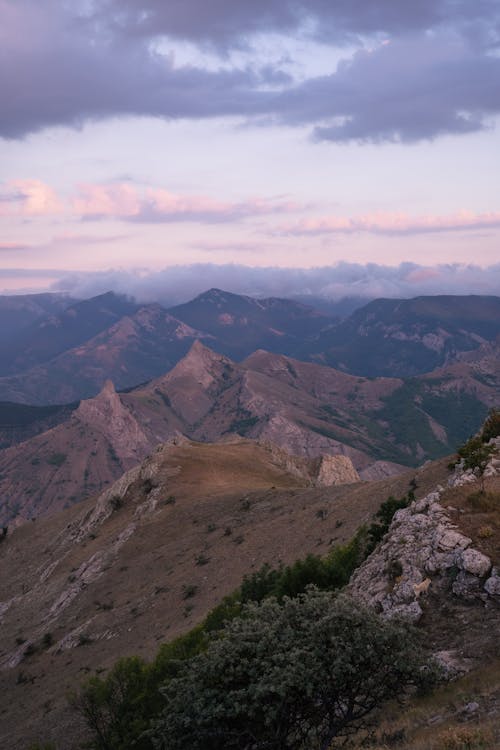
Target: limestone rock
column 492, row 584
column 334, row 470
column 420, row 552
column 473, row 561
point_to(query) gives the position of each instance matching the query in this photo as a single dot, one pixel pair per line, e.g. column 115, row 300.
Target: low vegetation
column 119, row 708
column 287, row 676
column 476, row 452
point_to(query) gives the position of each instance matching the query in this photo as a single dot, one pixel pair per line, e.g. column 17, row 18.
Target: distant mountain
column 69, row 356
column 51, row 335
column 134, row 349
column 243, row 324
column 381, row 424
column 402, row 338
column 18, row 311
column 334, row 308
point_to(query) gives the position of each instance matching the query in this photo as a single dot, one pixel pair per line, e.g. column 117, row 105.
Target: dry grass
column 440, row 721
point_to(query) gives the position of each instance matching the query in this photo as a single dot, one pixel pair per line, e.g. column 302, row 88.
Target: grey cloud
column 69, row 77
column 180, row 283
column 226, row 23
column 79, row 68
column 407, row 90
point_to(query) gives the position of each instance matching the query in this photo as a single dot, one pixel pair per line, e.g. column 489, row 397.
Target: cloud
column 416, row 87
column 7, row 247
column 28, row 197
column 227, row 23
column 180, row 283
column 128, row 202
column 394, row 224
column 72, row 71
column 72, row 63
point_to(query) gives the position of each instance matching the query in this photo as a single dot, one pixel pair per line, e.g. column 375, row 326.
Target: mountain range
column 150, row 458
column 68, row 355
column 381, row 424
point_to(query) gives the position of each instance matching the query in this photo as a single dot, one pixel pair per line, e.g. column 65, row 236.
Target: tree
column 293, row 675
column 491, row 427
column 476, row 455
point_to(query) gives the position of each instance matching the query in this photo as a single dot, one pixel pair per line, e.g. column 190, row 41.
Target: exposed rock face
column 423, row 550
column 107, row 414
column 324, row 471
column 335, row 470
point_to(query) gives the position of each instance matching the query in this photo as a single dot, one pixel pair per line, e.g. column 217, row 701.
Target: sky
column 331, row 147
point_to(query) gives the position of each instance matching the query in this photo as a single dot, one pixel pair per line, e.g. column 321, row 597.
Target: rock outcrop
column 332, row 470
column 424, row 551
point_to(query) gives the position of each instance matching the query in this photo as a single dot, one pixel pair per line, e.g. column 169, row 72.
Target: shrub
column 288, row 675
column 57, row 459
column 491, row 427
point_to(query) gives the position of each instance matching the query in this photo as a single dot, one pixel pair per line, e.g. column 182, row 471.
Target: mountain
column 242, row 324
column 134, row 349
column 18, row 311
column 403, row 338
column 48, row 336
column 69, row 356
column 382, row 425
column 109, row 577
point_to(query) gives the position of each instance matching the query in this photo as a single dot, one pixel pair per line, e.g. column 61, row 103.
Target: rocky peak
column 200, row 363
column 107, row 414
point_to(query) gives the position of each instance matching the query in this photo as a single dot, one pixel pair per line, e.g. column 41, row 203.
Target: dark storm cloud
column 181, row 283
column 437, row 74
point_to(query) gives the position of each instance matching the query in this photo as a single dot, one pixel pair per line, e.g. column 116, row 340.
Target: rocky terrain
column 69, row 356
column 149, row 557
column 69, row 353
column 403, row 338
column 306, row 409
column 425, row 552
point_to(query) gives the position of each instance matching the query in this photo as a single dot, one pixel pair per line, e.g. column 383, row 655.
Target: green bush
column 288, row 676
column 56, row 459
column 118, row 708
column 491, row 427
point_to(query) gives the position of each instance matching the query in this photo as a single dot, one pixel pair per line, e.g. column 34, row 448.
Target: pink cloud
column 393, row 223
column 126, row 201
column 28, row 197
column 422, row 274
column 6, row 246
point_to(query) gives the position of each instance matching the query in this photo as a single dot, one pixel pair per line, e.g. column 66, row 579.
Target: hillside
column 19, row 311
column 407, row 337
column 50, row 335
column 241, row 324
column 134, row 349
column 381, row 424
column 19, row 422
column 147, row 559
column 108, row 577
